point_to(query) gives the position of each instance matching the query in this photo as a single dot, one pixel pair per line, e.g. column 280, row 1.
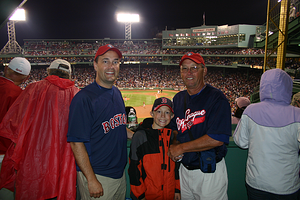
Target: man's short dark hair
column 59, row 73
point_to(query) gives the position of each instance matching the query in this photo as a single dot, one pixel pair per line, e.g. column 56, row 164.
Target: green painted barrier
column 236, row 167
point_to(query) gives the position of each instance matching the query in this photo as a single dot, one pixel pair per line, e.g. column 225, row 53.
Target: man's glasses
column 192, row 69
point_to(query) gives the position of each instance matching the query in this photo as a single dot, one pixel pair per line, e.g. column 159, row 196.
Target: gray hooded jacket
column 270, row 130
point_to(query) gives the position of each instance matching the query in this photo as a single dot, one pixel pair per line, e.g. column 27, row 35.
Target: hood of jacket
column 146, row 124
column 60, row 82
column 276, row 85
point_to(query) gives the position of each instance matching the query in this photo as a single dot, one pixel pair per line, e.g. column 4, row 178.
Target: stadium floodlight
column 12, row 46
column 19, row 15
column 128, row 18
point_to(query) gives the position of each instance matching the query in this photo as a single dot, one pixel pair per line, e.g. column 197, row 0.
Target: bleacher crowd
column 291, row 63
column 233, row 82
column 44, row 52
column 146, row 48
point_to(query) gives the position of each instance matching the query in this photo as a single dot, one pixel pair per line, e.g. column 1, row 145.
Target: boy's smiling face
column 161, row 117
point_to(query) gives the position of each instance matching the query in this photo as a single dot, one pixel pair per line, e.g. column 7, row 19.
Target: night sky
column 90, row 19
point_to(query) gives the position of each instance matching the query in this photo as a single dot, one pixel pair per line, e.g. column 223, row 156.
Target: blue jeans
column 254, row 194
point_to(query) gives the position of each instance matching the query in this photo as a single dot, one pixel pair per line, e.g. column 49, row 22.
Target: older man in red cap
column 97, row 131
column 202, row 123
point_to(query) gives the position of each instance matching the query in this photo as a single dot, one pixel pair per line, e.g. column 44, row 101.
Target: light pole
column 128, row 18
column 12, row 46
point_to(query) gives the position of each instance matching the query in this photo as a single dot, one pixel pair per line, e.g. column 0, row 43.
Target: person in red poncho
column 40, row 164
column 14, row 74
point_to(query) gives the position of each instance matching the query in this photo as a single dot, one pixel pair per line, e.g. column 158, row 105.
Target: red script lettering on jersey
column 190, row 120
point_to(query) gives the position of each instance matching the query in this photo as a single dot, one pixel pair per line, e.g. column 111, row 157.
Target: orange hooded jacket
column 152, row 173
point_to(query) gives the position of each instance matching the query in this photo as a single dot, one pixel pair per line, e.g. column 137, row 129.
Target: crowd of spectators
column 150, row 51
column 87, row 48
column 233, row 82
column 149, row 77
column 212, row 51
column 163, row 69
column 147, row 48
column 136, row 47
column 291, row 63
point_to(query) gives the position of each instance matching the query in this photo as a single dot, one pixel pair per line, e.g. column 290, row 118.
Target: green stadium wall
column 236, row 166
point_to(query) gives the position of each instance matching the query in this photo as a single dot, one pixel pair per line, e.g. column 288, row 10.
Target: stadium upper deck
column 221, row 46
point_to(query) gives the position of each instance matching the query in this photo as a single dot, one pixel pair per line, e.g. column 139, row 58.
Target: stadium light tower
column 128, row 18
column 12, row 46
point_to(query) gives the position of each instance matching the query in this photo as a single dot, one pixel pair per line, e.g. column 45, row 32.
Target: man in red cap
column 97, row 131
column 202, row 124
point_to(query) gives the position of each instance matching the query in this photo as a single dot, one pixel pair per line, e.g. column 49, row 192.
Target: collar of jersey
column 194, row 95
column 110, row 91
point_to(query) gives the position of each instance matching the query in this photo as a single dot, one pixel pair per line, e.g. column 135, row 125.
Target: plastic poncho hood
column 276, row 85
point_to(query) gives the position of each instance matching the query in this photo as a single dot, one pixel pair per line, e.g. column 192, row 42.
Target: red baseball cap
column 103, row 49
column 196, row 57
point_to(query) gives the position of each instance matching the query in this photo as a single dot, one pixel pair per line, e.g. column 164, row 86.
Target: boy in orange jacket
column 153, row 175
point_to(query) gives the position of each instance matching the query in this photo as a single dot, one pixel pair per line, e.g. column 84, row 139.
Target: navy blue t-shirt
column 98, row 118
column 206, row 113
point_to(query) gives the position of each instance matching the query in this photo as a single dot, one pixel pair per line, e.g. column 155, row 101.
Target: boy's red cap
column 163, row 101
column 103, row 49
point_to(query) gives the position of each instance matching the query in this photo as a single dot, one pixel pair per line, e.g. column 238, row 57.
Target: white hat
column 61, row 64
column 20, row 65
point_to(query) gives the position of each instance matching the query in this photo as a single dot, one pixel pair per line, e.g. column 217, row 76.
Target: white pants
column 196, row 185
